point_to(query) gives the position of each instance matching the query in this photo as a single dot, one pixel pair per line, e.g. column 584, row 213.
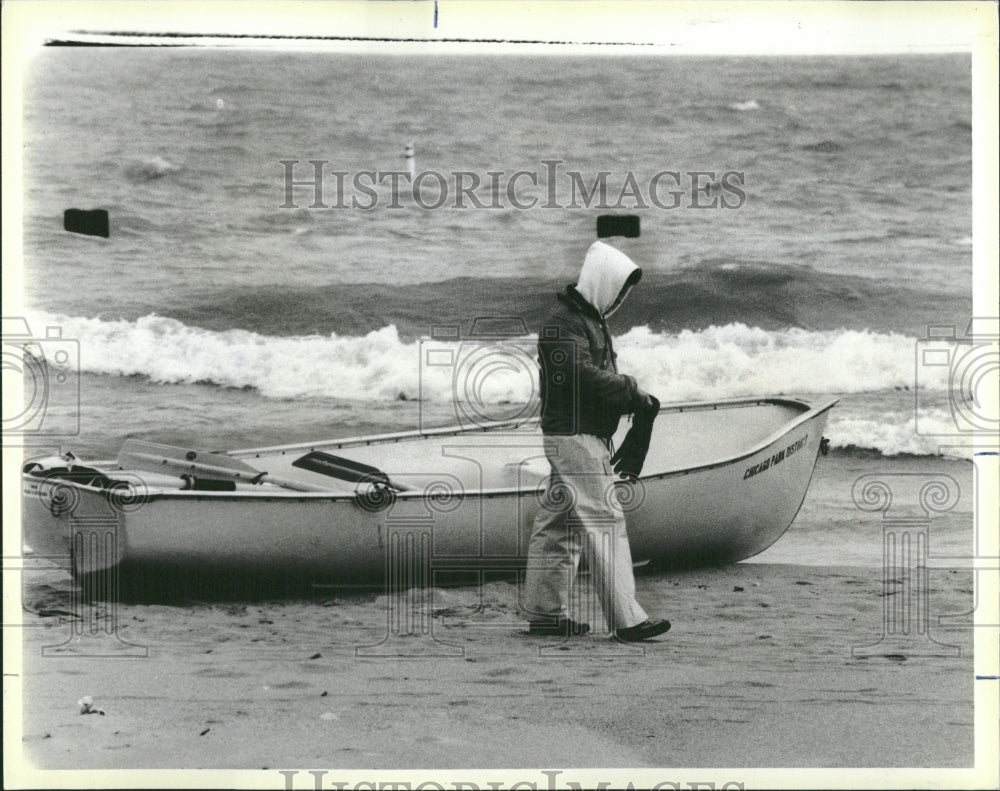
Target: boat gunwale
column 809, row 413
column 444, row 431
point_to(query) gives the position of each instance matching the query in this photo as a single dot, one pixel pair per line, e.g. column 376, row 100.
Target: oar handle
column 297, row 485
column 225, row 472
column 194, row 466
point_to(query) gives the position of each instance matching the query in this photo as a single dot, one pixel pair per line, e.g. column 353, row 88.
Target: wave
column 823, row 147
column 716, row 292
column 149, row 169
column 873, row 372
column 718, row 362
column 267, row 222
column 742, row 107
column 735, row 360
column 897, row 435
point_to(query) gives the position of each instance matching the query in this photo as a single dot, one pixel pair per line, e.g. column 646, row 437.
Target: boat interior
column 684, row 437
column 448, row 461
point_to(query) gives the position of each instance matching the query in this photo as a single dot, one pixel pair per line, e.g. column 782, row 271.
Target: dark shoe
column 642, row 631
column 561, row 627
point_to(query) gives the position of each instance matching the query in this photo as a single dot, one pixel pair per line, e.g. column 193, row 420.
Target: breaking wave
column 716, row 362
column 149, row 169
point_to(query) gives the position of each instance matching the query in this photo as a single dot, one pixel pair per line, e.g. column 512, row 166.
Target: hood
column 605, row 274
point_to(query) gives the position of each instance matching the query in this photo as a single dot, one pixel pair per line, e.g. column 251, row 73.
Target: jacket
column 580, row 387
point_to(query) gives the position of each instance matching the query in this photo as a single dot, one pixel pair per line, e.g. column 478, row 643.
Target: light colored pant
column 580, row 512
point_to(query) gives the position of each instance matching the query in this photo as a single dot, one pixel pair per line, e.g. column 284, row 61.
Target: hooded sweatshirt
column 581, row 389
column 605, row 273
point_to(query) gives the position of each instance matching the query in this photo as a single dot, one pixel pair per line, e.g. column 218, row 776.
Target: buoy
column 411, row 161
column 617, row 225
column 90, row 223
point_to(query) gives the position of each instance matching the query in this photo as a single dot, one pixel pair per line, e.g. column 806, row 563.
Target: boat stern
column 76, row 523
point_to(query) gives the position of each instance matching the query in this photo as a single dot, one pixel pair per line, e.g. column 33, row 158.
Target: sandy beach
column 767, row 665
column 761, row 676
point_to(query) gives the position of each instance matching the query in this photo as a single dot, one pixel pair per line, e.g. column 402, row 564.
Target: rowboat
column 722, row 481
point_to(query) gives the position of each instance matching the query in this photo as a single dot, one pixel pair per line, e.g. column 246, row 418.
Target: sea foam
column 717, row 362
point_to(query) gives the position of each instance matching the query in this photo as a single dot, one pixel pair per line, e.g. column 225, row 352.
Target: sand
column 760, row 676
column 767, row 665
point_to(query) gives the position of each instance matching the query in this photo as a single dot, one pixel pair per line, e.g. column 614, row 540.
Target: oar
column 153, row 456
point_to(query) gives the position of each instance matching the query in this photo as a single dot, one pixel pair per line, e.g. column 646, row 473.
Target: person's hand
column 637, row 400
column 628, row 459
column 643, row 401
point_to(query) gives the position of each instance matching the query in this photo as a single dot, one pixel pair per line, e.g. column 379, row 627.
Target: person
column 583, row 399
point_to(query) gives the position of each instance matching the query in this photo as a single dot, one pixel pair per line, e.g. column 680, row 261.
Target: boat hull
column 473, row 500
